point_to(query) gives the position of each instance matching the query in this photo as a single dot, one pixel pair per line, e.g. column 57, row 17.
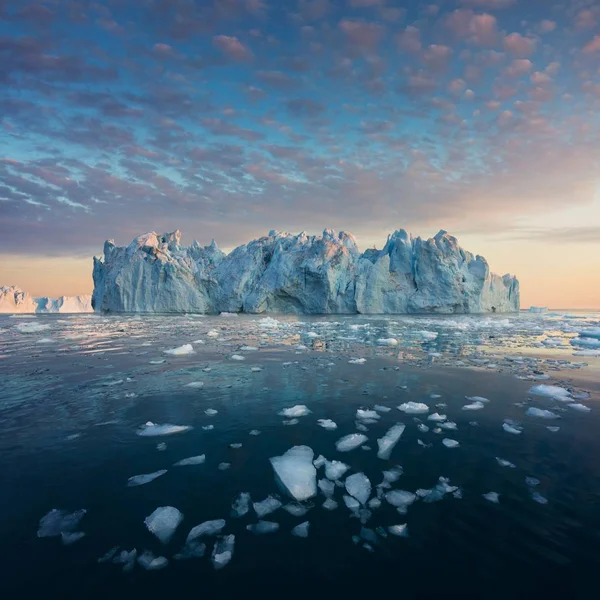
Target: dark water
column 468, row 547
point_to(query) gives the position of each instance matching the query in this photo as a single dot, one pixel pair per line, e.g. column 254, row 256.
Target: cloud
column 276, row 79
column 232, row 48
column 519, row 45
column 592, row 46
column 220, row 127
column 478, row 29
column 361, row 34
column 489, row 4
column 547, row 26
column 305, row 107
column 410, row 39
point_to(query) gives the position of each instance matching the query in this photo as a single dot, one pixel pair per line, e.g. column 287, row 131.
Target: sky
column 229, row 118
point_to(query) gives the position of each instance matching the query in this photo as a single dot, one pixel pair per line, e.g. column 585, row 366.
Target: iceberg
column 296, row 473
column 285, row 273
column 14, row 300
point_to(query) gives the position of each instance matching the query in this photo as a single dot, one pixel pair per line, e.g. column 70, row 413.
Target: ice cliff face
column 299, row 274
column 15, row 300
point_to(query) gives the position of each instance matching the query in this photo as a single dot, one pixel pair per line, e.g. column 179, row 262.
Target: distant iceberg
column 538, row 309
column 14, row 300
column 299, row 274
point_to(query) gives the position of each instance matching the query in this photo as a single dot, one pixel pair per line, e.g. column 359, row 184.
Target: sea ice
column 330, row 504
column 542, row 414
column 505, row 463
column 551, row 391
column 436, row 418
column 552, row 429
column 492, row 497
column 180, row 351
column 383, row 409
column 212, row 333
column 223, row 466
column 163, row 522
column 263, row 527
column 359, row 487
column 223, row 551
column 399, row 530
column 254, row 432
column 192, row 460
column 392, row 475
column 241, row 505
column 70, row 538
column 388, row 442
column 301, row 530
column 151, row 429
column 532, row 481
column 335, row 469
column 423, row 428
column 414, row 408
column 367, row 415
column 327, row 487
column 350, row 442
column 213, row 527
column 194, row 549
column 374, row 503
column 290, row 421
column 537, row 497
column 579, row 407
column 295, row 472
column 211, row 412
column 319, row 461
column 300, row 410
column 248, row 348
column 400, row 498
column 296, row 509
column 449, row 425
column 195, row 384
column 31, row 327
column 387, row 341
column 450, row 443
column 59, row 521
column 357, row 361
column 127, row 559
column 352, row 503
column 237, row 357
column 143, row 479
column 511, row 429
column 476, row 399
column 266, row 507
column 148, row 561
column 474, row 406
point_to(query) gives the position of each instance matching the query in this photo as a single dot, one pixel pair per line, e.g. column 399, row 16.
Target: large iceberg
column 299, row 274
column 14, row 300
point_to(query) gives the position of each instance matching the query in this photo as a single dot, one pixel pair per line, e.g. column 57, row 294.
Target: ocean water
column 77, row 391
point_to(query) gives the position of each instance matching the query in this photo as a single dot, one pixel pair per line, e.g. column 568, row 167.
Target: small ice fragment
column 383, row 409
column 436, row 418
column 552, row 428
column 240, row 505
column 399, row 530
column 423, row 428
column 266, row 506
column 290, row 421
column 158, row 362
column 551, row 391
column 537, row 497
column 350, row 442
column 213, row 527
column 579, row 407
column 127, row 559
column 248, row 348
column 70, row 538
column 330, row 504
column 199, row 342
column 327, row 487
column 359, row 487
column 224, row 466
column 361, row 427
column 59, row 521
column 511, row 429
column 300, row 410
column 400, row 498
column 145, row 478
column 263, row 527
column 476, row 399
column 301, row 530
column 414, row 408
column 255, row 432
column 212, row 333
column 237, row 357
column 109, row 555
column 255, row 369
column 163, row 522
column 505, row 463
column 335, row 469
column 151, row 429
column 223, row 551
column 181, row 350
column 148, row 561
column 235, row 446
column 374, row 503
column 208, row 427
column 295, row 472
column 192, row 460
column 492, row 497
column 327, row 424
column 368, row 415
column 296, row 509
column 532, row 481
column 319, row 461
column 195, row 549
column 351, row 503
column 474, row 406
column 210, row 412
column 357, row 361
column 195, row 384
column 387, row 341
column 450, row 443
column 542, row 414
column 388, row 442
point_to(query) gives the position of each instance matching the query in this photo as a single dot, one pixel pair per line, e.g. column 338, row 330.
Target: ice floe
column 181, row 350
column 388, row 442
column 145, row 478
column 359, row 487
column 192, row 460
column 532, row 411
column 300, row 410
column 237, row 357
column 163, row 522
column 579, row 407
column 350, row 442
column 387, row 341
column 327, row 424
column 474, row 406
column 59, row 521
column 505, row 463
column 414, row 408
column 399, row 530
column 224, row 466
column 152, row 429
column 208, row 528
column 551, row 391
column 512, row 428
column 450, row 443
column 223, row 551
column 240, row 505
column 492, row 497
column 329, row 504
column 295, row 472
column 301, row 530
column 327, row 487
column 400, row 498
column 436, row 418
column 266, row 507
column 69, row 538
column 148, row 561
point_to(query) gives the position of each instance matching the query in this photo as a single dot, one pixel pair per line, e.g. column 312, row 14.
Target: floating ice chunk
column 195, row 384
column 248, row 348
column 255, row 369
column 477, row 399
column 327, row 487
column 350, row 442
column 237, row 357
column 474, row 406
column 368, row 415
column 505, row 463
column 552, row 429
column 586, row 342
column 374, row 503
column 45, row 341
column 436, row 418
column 266, row 506
column 590, row 332
column 542, row 414
column 268, row 323
column 579, row 407
column 301, row 530
column 213, row 527
column 241, row 505
column 70, row 538
column 210, row 412
column 392, row 475
column 551, row 391
column 352, row 503
column 383, row 409
column 235, row 446
column 449, row 425
column 31, row 327
column 143, row 479
column 199, row 342
column 223, row 551
column 300, row 410
column 414, row 408
column 492, row 497
column 423, row 428
column 532, row 481
column 359, row 487
column 583, row 353
column 537, row 497
column 296, row 509
column 290, row 421
column 194, row 549
column 387, row 341
column 335, row 469
column 192, row 460
column 330, row 504
column 109, row 555
column 400, row 498
column 295, row 472
column 450, row 443
column 254, row 432
column 263, row 527
column 127, row 559
column 319, row 461
column 388, row 442
column 208, row 427
column 158, row 362
column 180, row 351
column 163, row 522
column 512, row 428
column 213, row 334
column 357, row 361
column 427, row 335
column 228, row 314
column 361, row 427
column 148, row 561
column 399, row 530
column 224, row 466
column 151, row 429
column 59, row 521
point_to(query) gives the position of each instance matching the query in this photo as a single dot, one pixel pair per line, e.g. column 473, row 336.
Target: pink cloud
column 518, row 67
column 518, row 45
column 362, row 34
column 162, row 49
column 314, row 10
column 586, row 19
column 593, row 46
column 456, row 86
column 437, row 56
column 478, row 29
column 410, row 40
column 547, row 26
column 232, row 48
column 489, row 4
column 539, row 78
column 365, row 3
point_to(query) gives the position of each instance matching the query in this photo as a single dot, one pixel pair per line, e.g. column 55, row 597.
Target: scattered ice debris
column 148, row 561
column 319, row 461
column 237, row 357
column 195, row 384
column 359, row 487
column 145, row 478
column 213, row 334
column 301, row 530
column 290, row 421
column 31, row 327
column 357, row 361
column 542, row 414
column 223, row 551
column 254, row 432
column 352, row 503
column 127, row 559
column 192, row 460
column 492, row 497
column 414, row 408
column 163, row 522
column 300, row 410
column 330, row 504
column 266, row 507
column 552, row 429
column 423, row 428
column 210, row 412
column 151, row 429
column 400, row 498
column 383, row 409
column 512, row 428
column 248, row 349
column 295, row 472
column 427, row 335
column 474, row 406
column 537, row 497
column 505, row 463
column 450, row 443
column 449, row 425
column 207, row 528
column 240, row 505
column 224, row 466
column 194, row 549
column 387, row 341
column 263, row 527
column 388, row 442
column 255, row 369
column 335, row 469
column 58, row 521
column 69, row 538
column 180, row 351
column 327, row 487
column 579, row 407
column 399, row 530
column 437, row 418
column 551, row 391
column 158, row 362
column 350, row 442
column 208, row 427
column 368, row 416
